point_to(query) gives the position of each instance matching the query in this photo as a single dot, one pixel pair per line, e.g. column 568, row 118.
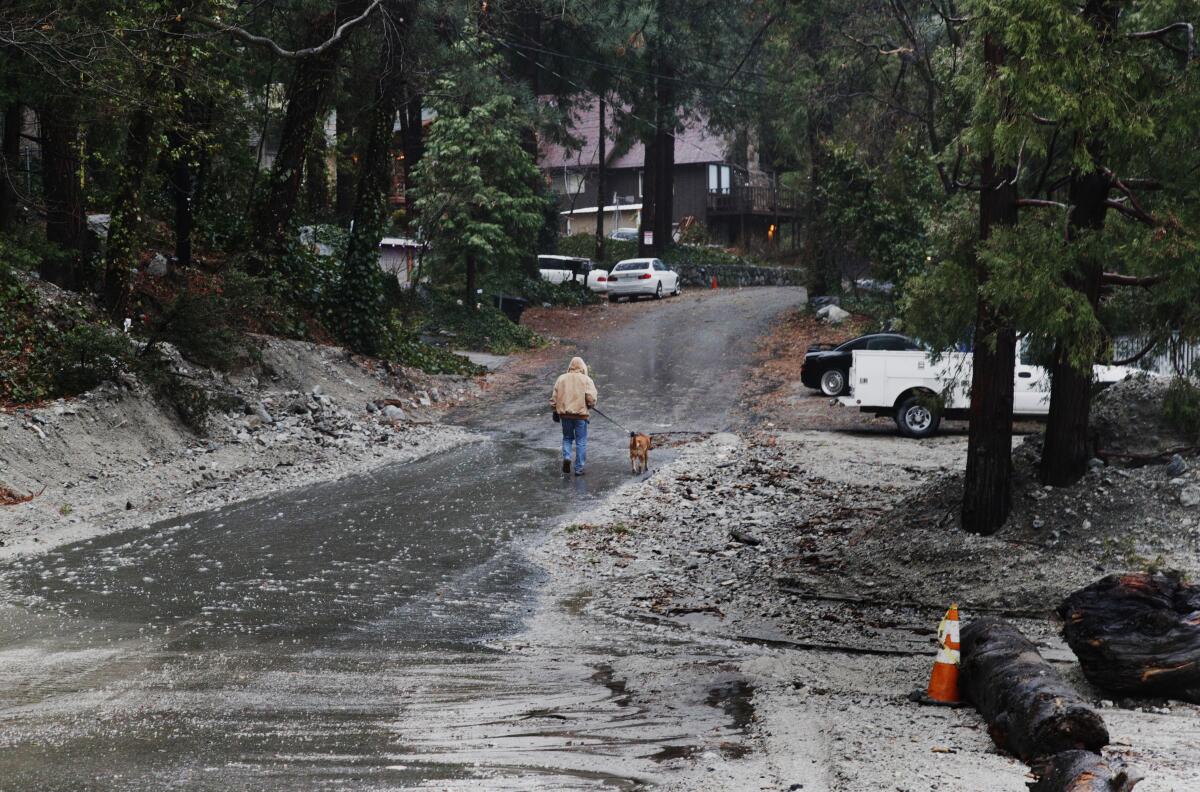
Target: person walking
column 574, row 394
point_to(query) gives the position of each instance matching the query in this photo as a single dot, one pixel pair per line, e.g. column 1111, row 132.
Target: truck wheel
column 916, row 417
column 833, row 382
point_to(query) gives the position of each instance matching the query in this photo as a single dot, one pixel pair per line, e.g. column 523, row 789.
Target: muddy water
column 383, row 632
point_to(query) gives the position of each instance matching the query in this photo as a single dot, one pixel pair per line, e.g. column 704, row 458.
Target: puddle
column 604, row 676
column 735, row 698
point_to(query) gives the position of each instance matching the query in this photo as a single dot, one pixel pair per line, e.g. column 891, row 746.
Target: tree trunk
column 121, row 256
column 182, row 182
column 307, row 92
column 412, row 141
column 987, row 489
column 1083, row 771
column 649, row 195
column 601, row 187
column 360, row 298
column 825, row 278
column 345, row 189
column 316, row 176
column 1066, row 450
column 66, row 225
column 664, row 158
column 1030, row 710
column 10, row 155
column 1137, row 634
column 470, row 297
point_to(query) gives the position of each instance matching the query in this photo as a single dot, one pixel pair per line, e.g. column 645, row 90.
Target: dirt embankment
column 307, row 413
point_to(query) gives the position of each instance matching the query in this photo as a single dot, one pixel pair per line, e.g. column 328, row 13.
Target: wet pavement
column 374, row 633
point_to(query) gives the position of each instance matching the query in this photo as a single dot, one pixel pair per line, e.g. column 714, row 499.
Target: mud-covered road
column 374, row 633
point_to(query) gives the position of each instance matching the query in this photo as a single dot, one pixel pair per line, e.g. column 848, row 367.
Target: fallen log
column 1137, row 634
column 1082, row 771
column 1030, row 710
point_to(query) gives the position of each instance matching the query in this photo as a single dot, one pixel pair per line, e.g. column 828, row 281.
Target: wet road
column 366, row 632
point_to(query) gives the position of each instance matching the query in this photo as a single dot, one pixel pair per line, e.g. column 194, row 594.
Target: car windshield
column 628, row 266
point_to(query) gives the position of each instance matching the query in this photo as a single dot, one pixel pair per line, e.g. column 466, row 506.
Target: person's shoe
column 578, row 472
column 566, row 466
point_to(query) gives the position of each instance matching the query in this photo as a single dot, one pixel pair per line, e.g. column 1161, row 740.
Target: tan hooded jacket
column 574, row 392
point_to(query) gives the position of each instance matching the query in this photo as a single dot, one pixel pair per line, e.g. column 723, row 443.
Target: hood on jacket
column 577, row 366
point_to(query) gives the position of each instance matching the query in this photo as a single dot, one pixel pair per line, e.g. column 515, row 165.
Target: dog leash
column 611, row 421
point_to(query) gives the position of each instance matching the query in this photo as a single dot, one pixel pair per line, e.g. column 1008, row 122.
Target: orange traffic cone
column 714, row 282
column 943, row 684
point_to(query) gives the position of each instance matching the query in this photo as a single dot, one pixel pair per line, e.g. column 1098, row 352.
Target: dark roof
column 693, row 145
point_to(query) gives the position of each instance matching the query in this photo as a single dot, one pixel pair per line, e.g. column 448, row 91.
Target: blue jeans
column 575, row 431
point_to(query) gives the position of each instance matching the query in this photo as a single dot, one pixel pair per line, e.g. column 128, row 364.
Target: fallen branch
column 1157, row 456
column 1137, row 634
column 9, row 497
column 1030, row 710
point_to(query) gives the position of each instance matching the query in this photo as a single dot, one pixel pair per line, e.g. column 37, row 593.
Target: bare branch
column 1161, row 34
column 1138, row 355
column 270, row 44
column 1040, row 202
column 1117, row 279
column 1133, row 212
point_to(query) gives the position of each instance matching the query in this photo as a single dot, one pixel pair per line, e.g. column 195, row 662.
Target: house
column 719, row 182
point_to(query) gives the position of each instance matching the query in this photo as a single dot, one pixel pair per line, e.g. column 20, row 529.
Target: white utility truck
column 917, row 391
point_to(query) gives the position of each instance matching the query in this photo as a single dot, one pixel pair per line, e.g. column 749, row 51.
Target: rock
column 434, row 395
column 393, row 413
column 157, row 265
column 1189, row 496
column 263, row 415
column 833, row 314
column 372, row 407
column 1095, row 464
column 1176, row 467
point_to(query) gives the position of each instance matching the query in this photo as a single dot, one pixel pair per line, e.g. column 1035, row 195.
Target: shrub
column 485, row 328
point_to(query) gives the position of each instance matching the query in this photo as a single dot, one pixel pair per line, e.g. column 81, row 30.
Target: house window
column 718, row 179
column 639, row 184
column 571, row 183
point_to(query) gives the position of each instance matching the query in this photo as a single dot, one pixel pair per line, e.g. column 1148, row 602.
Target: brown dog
column 639, row 452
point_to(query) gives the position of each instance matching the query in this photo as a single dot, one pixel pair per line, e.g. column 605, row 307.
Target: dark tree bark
column 412, row 142
column 10, row 155
column 649, row 194
column 121, row 256
column 66, row 225
column 601, row 187
column 1066, row 450
column 664, row 158
column 825, row 277
column 1083, row 771
column 316, row 177
column 470, row 297
column 345, row 187
column 1137, row 634
column 1030, row 710
column 987, row 489
column 185, row 162
column 310, row 83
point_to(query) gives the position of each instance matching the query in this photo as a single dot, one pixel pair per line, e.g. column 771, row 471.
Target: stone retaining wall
column 730, row 275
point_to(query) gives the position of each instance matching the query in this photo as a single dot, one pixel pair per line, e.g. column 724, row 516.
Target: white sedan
column 642, row 277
